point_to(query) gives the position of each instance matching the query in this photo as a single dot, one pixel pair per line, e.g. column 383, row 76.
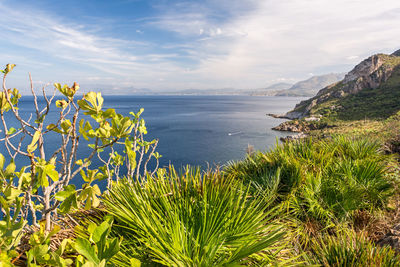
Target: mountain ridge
column 312, row 85
column 307, row 87
column 372, row 84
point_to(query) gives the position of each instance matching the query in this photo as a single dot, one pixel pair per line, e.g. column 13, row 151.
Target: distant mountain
column 116, row 91
column 370, row 90
column 397, row 53
column 307, row 87
column 303, row 88
column 272, row 89
column 279, row 86
column 225, row 91
column 312, row 85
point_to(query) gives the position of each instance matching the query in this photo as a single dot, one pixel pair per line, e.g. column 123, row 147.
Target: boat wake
column 235, row 133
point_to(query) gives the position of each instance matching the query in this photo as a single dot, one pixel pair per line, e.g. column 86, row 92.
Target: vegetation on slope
column 320, row 202
column 378, row 103
column 370, row 91
column 328, row 190
column 193, row 219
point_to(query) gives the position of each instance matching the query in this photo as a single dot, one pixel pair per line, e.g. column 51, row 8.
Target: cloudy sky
column 168, row 45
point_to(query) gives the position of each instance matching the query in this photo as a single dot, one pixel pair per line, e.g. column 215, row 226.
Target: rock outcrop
column 300, row 126
column 294, row 137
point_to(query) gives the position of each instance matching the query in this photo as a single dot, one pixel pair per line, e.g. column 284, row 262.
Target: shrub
column 44, row 183
column 351, row 185
column 192, row 219
column 321, row 181
column 350, row 249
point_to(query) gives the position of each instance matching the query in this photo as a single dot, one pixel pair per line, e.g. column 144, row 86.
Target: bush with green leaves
column 40, row 253
column 323, row 180
column 97, row 249
column 42, row 190
column 193, row 219
column 44, row 185
column 11, row 226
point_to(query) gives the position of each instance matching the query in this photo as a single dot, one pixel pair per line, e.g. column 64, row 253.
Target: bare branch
column 13, row 109
column 34, row 96
column 149, row 156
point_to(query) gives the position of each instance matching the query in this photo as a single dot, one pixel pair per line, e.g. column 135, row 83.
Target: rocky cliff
column 370, row 80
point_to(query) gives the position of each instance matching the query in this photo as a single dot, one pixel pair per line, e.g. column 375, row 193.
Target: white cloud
column 352, row 57
column 259, row 42
column 73, row 44
column 293, row 38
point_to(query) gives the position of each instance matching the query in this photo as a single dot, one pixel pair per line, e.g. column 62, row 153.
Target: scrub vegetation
column 317, row 202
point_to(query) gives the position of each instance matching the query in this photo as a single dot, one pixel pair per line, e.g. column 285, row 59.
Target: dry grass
column 67, row 226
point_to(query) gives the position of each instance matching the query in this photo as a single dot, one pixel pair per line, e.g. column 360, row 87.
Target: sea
column 207, row 130
column 192, row 130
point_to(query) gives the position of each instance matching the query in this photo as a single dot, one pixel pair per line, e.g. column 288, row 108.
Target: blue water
column 196, row 130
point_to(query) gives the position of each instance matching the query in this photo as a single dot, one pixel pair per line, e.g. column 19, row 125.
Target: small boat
column 235, row 133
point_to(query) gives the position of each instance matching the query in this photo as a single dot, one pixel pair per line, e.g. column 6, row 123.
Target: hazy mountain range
column 307, row 87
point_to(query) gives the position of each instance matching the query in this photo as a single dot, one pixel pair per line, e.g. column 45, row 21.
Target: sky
column 125, row 45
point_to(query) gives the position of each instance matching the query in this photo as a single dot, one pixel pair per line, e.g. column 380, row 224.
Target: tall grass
column 193, row 219
column 323, row 181
column 308, row 190
column 351, row 185
column 349, row 249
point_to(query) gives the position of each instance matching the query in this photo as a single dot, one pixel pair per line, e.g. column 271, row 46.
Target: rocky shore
column 301, row 127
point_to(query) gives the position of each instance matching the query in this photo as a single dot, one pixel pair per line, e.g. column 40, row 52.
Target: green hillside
column 371, row 90
column 379, row 103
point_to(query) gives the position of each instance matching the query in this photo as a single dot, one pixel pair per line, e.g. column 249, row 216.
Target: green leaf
column 32, row 147
column 100, row 232
column 40, row 119
column 131, row 154
column 135, row 262
column 84, row 248
column 61, row 104
column 66, row 90
column 92, row 102
column 9, row 68
column 62, row 246
column 89, row 194
column 113, row 246
column 53, row 127
column 11, row 131
column 58, row 86
column 66, row 125
column 2, row 161
column 84, row 177
column 11, row 193
column 10, row 169
column 43, row 179
column 68, row 191
column 109, row 113
column 51, row 172
column 68, row 198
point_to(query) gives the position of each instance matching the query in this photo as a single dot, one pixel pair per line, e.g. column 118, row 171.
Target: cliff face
column 369, row 75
